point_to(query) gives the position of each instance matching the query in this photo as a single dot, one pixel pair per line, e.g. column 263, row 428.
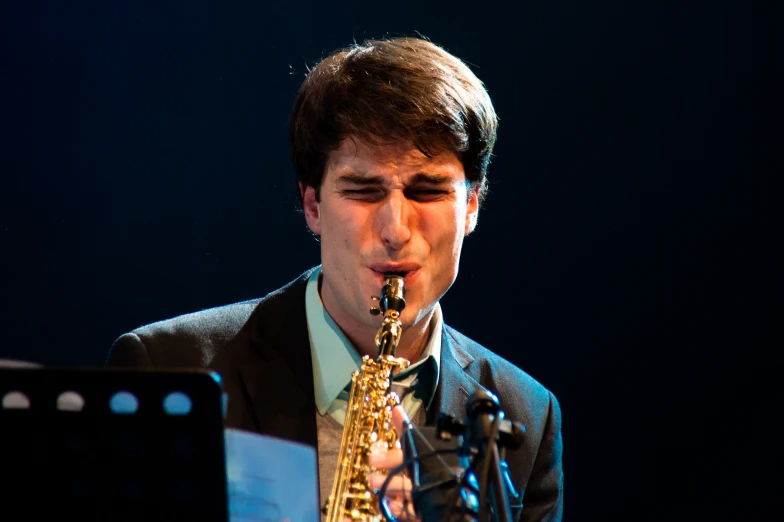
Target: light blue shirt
column 335, row 359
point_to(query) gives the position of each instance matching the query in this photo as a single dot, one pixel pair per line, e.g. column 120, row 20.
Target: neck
column 412, row 342
column 362, row 335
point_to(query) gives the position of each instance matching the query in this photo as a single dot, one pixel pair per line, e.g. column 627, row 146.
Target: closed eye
column 426, row 194
column 364, row 194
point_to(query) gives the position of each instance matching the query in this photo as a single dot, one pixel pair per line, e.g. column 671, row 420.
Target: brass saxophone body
column 369, row 414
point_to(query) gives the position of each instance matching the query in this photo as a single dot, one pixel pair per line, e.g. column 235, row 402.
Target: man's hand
column 399, row 488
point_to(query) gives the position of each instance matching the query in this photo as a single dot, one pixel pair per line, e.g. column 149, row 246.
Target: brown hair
column 387, row 90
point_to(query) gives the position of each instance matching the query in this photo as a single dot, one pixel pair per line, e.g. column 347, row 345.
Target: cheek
column 347, row 226
column 443, row 231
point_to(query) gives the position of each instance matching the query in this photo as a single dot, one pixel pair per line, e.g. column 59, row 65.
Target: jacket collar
column 456, row 383
column 277, row 375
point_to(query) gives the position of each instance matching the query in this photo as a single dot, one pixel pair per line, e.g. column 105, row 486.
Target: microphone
column 445, row 488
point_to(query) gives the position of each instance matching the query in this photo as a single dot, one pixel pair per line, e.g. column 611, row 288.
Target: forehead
column 400, row 157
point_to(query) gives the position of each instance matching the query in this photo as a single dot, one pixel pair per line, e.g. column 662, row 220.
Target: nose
column 393, row 220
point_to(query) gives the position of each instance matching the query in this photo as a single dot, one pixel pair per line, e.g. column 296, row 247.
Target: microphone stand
column 482, row 490
column 486, row 488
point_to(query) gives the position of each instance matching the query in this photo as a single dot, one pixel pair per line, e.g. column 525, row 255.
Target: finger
column 386, row 459
column 397, row 485
column 400, row 419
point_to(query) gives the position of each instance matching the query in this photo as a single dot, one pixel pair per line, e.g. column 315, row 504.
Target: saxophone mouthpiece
column 393, row 293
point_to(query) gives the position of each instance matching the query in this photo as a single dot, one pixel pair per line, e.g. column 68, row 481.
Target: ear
column 472, row 211
column 311, row 207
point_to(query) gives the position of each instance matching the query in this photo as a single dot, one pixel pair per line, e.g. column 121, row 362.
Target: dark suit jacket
column 262, row 350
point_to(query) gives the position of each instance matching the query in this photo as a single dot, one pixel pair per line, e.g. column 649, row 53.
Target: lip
column 411, row 271
column 384, row 268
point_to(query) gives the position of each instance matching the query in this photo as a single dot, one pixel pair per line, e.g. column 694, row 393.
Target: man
column 391, row 141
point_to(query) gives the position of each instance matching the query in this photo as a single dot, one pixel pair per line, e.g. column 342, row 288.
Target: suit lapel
column 455, row 385
column 277, row 376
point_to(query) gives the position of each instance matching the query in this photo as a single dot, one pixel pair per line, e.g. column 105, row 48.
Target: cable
column 405, row 464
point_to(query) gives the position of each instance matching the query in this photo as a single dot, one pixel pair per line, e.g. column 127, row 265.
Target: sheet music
column 270, row 480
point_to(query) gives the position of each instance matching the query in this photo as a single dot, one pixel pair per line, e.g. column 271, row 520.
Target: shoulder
column 221, row 321
column 224, row 320
column 519, row 393
column 194, row 339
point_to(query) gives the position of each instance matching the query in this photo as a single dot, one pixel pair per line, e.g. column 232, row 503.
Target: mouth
column 408, row 271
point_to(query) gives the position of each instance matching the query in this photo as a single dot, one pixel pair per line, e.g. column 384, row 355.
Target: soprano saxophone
column 369, row 414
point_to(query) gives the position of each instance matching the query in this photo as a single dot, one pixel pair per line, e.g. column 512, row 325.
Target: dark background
column 145, row 173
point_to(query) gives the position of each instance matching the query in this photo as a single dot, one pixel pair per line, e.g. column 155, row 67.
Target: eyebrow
column 358, row 179
column 420, row 177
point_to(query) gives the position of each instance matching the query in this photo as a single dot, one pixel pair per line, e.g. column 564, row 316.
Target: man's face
column 388, row 209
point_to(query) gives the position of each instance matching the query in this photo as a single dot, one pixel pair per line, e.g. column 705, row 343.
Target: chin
column 412, row 315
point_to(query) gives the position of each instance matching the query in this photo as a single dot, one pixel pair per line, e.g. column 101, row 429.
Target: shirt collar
column 335, row 359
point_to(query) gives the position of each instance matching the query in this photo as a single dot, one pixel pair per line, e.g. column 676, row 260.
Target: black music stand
column 107, row 444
